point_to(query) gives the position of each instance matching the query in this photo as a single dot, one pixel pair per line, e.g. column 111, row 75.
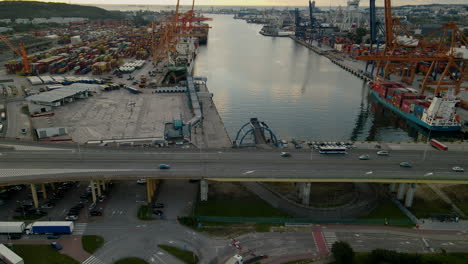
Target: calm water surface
column 298, row 93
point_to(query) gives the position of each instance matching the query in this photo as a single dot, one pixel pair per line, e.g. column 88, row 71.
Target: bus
column 332, row 150
column 438, row 145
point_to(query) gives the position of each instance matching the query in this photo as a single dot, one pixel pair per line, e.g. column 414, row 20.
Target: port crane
column 21, row 51
column 403, row 51
column 169, row 32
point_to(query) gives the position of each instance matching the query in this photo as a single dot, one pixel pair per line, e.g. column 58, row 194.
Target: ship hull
column 413, row 118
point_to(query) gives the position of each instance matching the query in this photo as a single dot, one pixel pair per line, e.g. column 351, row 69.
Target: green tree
column 342, row 252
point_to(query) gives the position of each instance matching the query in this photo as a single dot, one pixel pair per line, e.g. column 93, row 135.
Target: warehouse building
column 47, row 101
column 50, row 132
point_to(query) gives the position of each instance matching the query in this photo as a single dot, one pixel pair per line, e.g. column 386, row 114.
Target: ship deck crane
column 21, row 51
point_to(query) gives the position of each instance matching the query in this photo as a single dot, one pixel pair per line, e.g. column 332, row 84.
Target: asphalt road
column 50, row 164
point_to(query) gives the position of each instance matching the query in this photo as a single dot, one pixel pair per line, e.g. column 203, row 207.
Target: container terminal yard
column 109, row 135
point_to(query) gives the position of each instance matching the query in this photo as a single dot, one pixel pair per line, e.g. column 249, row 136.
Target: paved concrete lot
column 120, row 114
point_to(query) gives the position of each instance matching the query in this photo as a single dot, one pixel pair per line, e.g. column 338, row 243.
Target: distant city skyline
column 252, row 2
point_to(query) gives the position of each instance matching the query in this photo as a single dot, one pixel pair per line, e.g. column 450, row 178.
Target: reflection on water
column 297, row 92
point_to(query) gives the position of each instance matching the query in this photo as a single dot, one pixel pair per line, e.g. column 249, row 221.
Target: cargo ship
column 435, row 114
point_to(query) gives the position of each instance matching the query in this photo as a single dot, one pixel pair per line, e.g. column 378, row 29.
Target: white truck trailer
column 12, row 227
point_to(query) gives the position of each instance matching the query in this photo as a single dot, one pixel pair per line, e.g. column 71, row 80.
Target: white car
column 458, row 169
column 71, row 217
column 141, row 181
column 382, row 153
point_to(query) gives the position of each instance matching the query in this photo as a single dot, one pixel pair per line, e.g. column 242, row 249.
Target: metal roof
column 59, row 94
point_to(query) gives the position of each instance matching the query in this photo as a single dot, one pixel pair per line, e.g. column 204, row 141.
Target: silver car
column 382, row 153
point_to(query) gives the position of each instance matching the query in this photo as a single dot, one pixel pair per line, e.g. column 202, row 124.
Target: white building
column 47, row 101
column 5, row 29
column 22, row 21
column 50, row 132
column 39, row 20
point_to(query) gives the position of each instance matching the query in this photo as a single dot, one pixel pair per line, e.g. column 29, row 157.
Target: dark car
column 14, row 236
column 56, row 246
column 73, row 212
column 158, row 212
column 158, row 205
column 194, row 180
column 95, row 213
column 79, row 205
column 52, row 236
column 85, row 195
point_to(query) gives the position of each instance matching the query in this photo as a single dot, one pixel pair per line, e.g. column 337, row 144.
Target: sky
column 255, row 2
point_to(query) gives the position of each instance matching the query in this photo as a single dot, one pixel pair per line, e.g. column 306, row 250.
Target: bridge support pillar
column 98, row 187
column 93, row 191
column 149, row 196
column 203, row 190
column 401, row 191
column 34, row 195
column 103, row 185
column 52, row 186
column 154, row 186
column 151, row 183
column 44, row 191
column 305, row 193
column 392, row 187
column 410, row 194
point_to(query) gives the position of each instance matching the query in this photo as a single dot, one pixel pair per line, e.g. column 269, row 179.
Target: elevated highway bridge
column 28, row 163
column 42, row 163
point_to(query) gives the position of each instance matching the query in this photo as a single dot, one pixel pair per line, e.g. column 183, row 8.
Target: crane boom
column 388, row 23
column 21, row 52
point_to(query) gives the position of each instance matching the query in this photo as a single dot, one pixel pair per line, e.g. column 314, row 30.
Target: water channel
column 298, row 93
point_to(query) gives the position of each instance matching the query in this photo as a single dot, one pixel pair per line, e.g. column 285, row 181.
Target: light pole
column 427, row 143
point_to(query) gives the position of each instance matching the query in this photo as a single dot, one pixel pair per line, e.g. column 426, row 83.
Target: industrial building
column 45, row 102
column 50, row 132
column 177, row 131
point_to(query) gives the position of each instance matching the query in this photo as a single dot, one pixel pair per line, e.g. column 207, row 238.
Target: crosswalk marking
column 93, row 260
column 330, row 238
column 80, row 228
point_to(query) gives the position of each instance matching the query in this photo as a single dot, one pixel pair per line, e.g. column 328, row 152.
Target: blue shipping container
column 51, row 229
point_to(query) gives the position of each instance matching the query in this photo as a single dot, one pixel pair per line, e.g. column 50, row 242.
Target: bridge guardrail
column 272, row 220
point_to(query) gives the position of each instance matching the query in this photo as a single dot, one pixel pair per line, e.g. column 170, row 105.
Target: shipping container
column 58, row 227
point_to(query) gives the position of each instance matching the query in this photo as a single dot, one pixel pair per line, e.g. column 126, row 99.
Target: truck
column 8, row 256
column 57, row 227
column 12, row 227
column 438, row 145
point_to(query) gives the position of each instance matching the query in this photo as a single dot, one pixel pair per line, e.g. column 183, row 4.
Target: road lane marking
column 155, row 255
column 248, row 172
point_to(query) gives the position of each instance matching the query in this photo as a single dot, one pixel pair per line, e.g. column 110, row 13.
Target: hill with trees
column 32, row 9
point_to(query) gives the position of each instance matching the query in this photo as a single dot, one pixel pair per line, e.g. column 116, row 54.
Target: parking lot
column 119, row 202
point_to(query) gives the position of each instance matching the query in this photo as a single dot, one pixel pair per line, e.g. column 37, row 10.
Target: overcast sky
column 256, row 2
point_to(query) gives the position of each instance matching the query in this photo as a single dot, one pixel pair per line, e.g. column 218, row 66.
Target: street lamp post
column 427, row 143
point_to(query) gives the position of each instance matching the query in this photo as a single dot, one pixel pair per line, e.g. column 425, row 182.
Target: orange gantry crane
column 167, row 34
column 442, row 50
column 21, row 51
